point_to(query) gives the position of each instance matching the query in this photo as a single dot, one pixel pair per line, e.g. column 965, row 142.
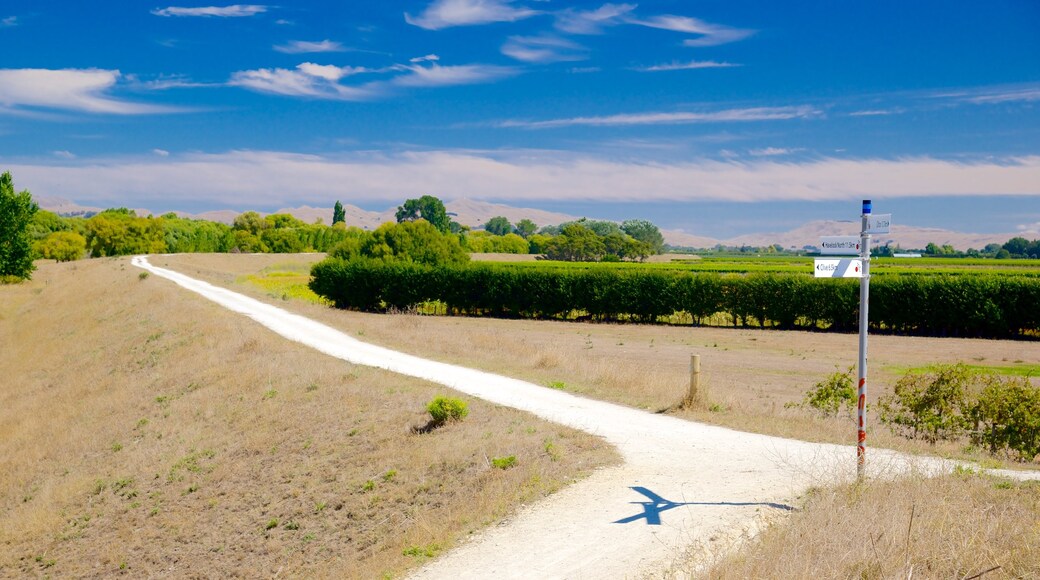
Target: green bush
column 836, row 393
column 1006, row 417
column 445, row 409
column 979, row 306
column 932, row 406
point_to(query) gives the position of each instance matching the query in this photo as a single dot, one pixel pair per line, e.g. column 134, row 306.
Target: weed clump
column 503, row 462
column 447, row 409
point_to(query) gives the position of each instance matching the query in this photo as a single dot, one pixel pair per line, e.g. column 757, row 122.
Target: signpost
column 835, row 268
column 839, row 245
column 855, row 268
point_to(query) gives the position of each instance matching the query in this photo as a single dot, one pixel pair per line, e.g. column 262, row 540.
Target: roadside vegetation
column 159, row 435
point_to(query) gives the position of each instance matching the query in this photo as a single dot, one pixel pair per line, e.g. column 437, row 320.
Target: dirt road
column 682, row 484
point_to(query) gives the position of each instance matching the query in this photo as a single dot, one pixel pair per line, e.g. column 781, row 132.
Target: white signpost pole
column 864, row 299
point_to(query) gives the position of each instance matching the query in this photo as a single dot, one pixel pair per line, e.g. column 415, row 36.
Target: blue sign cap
column 866, row 207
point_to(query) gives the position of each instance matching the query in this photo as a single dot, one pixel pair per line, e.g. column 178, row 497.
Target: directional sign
column 878, row 223
column 838, row 268
column 839, row 245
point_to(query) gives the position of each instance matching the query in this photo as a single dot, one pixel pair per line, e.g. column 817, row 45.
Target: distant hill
column 475, row 213
column 903, row 236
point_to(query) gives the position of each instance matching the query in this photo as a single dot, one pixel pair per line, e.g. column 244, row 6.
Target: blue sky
column 716, row 117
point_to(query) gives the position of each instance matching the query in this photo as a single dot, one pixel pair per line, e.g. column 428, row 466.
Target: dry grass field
column 147, row 432
column 750, row 376
column 960, row 526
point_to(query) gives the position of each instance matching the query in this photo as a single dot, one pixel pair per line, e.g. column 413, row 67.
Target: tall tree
column 426, row 207
column 498, row 226
column 525, row 228
column 16, row 213
column 338, row 215
column 645, row 232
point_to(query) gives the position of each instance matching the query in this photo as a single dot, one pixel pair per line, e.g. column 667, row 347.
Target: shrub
column 1007, row 417
column 931, row 406
column 836, row 393
column 503, row 462
column 445, row 409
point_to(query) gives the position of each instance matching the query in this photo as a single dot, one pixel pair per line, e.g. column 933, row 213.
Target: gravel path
column 683, row 484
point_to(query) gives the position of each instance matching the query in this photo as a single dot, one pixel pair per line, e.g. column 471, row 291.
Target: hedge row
column 984, row 305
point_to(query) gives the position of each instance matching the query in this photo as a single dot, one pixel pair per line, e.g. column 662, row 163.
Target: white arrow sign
column 878, row 223
column 838, row 268
column 839, row 245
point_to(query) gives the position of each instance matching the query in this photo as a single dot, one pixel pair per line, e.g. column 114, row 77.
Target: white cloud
column 710, row 34
column 543, row 49
column 660, row 118
column 591, row 21
column 427, row 58
column 161, row 152
column 9, row 21
column 64, row 154
column 773, row 151
column 875, row 112
column 1033, row 228
column 307, row 80
column 1020, row 95
column 303, row 46
column 447, row 13
column 693, row 64
column 271, row 179
column 324, row 81
column 235, row 10
column 81, row 90
column 443, row 76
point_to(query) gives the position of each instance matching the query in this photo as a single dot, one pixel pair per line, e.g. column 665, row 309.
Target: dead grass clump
column 957, row 526
column 150, row 432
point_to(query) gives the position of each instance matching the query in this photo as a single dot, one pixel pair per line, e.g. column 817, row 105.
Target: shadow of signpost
column 657, row 505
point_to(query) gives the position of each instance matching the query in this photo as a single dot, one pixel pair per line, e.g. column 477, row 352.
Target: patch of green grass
column 270, row 394
column 285, row 285
column 271, row 524
column 390, row 475
column 1015, row 370
column 504, row 462
column 558, row 385
column 427, row 551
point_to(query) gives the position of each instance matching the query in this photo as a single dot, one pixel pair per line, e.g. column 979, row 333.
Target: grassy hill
column 145, row 431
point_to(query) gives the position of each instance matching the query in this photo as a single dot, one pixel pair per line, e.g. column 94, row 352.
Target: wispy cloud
column 773, row 151
column 710, row 34
column 325, row 81
column 442, row 76
column 591, row 21
column 674, row 118
column 693, row 64
column 306, row 80
column 543, row 49
column 1020, row 95
column 875, row 112
column 1033, row 228
column 82, row 90
column 63, row 154
column 233, row 11
column 9, row 22
column 303, row 47
column 427, row 58
column 272, row 179
column 447, row 13
column 161, row 152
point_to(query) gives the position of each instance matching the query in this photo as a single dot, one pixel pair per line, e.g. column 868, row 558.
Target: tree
column 525, row 228
column 338, row 215
column 1017, row 246
column 576, row 243
column 646, row 232
column 16, row 213
column 413, row 241
column 250, row 222
column 428, row 208
column 498, row 226
column 62, row 246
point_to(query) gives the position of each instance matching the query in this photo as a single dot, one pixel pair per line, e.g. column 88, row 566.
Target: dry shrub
column 954, row 526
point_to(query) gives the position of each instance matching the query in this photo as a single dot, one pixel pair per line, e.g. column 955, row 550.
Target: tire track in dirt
column 682, row 485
